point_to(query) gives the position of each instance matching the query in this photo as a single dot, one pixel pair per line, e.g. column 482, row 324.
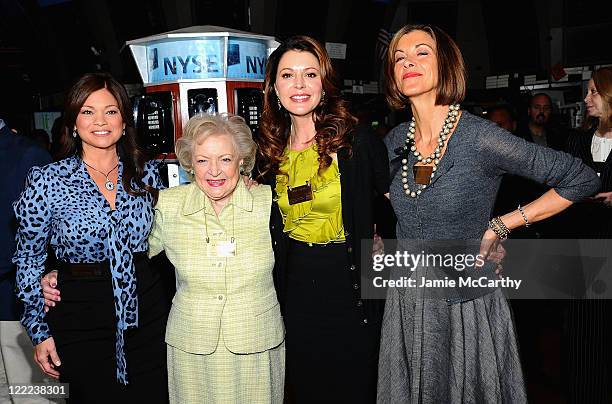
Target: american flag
column 382, row 43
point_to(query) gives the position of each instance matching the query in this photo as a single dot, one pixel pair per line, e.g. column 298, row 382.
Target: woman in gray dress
column 460, row 348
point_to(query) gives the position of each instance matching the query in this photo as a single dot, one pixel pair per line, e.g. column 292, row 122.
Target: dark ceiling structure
column 45, row 44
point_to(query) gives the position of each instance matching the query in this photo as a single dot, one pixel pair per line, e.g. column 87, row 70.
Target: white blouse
column 600, row 148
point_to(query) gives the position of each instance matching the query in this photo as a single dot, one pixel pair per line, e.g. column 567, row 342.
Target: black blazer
column 363, row 175
column 579, row 145
column 589, row 219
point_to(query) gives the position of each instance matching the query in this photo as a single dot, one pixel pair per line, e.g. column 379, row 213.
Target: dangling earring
column 192, row 172
column 74, row 133
column 123, row 133
column 280, row 106
column 322, row 96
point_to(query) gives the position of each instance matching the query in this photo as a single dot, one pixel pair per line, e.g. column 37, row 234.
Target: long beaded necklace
column 449, row 123
column 108, row 184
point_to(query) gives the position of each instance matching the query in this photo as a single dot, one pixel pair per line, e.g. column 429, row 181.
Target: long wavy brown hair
column 131, row 156
column 333, row 122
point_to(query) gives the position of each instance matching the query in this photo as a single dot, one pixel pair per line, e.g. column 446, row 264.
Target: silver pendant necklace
column 449, row 123
column 108, row 184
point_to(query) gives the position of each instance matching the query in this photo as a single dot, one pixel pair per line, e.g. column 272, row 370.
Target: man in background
column 538, row 128
column 18, row 154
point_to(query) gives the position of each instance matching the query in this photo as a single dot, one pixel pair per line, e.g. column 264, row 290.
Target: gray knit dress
column 462, row 349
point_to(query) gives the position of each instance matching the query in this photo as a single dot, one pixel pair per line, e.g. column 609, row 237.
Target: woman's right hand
column 49, row 284
column 46, row 357
column 604, row 197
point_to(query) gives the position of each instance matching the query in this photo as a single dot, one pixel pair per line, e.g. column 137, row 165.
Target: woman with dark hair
column 458, row 347
column 95, row 209
column 324, row 173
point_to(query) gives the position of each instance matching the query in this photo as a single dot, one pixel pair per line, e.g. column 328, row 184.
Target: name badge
column 299, row 194
column 221, row 248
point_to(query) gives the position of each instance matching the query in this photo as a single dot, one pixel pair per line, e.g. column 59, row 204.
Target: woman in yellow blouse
column 324, row 170
column 320, row 221
column 225, row 332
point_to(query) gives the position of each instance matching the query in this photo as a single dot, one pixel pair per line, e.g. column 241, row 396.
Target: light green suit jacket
column 234, row 296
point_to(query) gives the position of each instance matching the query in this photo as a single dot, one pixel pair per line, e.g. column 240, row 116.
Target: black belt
column 93, row 269
column 330, row 244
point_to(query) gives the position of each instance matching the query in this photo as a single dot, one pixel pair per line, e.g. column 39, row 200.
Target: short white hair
column 203, row 125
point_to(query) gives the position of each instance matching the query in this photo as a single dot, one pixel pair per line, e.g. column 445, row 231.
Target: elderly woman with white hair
column 225, row 335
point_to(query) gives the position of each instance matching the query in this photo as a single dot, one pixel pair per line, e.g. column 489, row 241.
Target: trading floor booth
column 202, row 69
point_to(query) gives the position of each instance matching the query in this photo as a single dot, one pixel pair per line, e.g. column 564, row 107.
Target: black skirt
column 84, row 324
column 331, row 354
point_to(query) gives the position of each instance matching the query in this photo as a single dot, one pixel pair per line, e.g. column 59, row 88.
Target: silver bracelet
column 499, row 228
column 522, row 211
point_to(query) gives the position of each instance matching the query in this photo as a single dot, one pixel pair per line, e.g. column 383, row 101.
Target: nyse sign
column 204, row 59
column 246, row 59
column 190, row 64
column 253, row 63
column 192, row 59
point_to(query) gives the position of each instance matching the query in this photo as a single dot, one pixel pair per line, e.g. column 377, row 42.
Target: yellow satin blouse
column 318, row 221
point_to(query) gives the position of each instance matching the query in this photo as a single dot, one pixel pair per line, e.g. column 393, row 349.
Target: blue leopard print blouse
column 62, row 205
